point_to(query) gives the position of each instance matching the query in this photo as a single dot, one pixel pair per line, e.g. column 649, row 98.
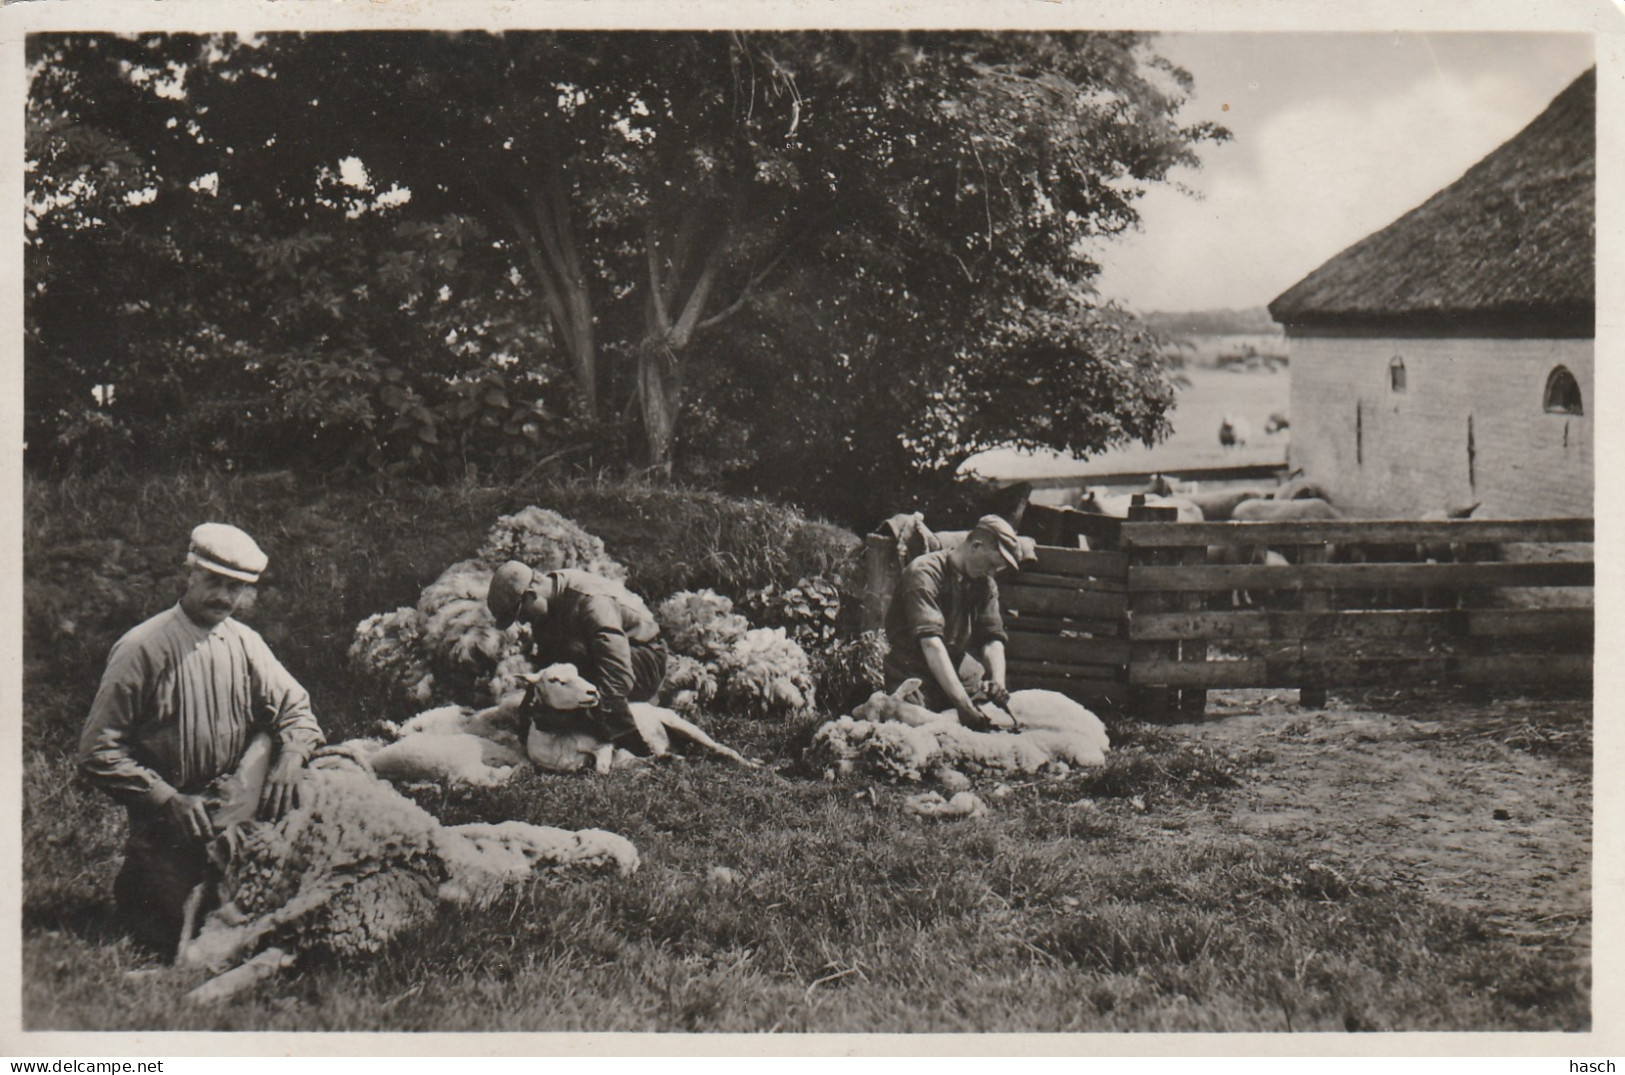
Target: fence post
column 1150, row 702
column 1193, row 700
column 880, row 573
column 1313, row 695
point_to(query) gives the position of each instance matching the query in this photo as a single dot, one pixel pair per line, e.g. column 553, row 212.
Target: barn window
column 1396, row 374
column 1563, row 393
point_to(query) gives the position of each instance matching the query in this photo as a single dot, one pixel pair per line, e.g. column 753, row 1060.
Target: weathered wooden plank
column 1033, row 646
column 1160, row 579
column 1064, row 582
column 1056, row 602
column 1540, row 622
column 1355, row 624
column 1355, row 532
column 1111, row 673
column 1070, row 625
column 1531, row 669
column 1059, row 561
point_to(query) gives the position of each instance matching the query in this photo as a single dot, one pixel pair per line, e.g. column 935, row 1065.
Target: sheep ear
column 906, row 688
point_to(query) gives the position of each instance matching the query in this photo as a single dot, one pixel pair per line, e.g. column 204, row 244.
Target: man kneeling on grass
column 181, row 698
column 944, row 610
column 598, row 625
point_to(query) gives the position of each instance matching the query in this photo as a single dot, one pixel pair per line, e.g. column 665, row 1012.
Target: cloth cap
column 1002, row 536
column 226, row 550
column 508, row 588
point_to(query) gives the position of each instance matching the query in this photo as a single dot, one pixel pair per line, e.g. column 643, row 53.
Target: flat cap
column 1003, row 536
column 508, row 586
column 226, row 550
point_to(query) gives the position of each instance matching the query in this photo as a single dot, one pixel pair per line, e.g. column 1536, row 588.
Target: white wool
column 1054, row 711
column 1053, row 730
column 498, row 723
column 484, row 858
column 895, row 749
column 931, row 804
column 451, row 758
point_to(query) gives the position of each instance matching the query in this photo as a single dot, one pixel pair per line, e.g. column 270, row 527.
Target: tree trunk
column 660, row 398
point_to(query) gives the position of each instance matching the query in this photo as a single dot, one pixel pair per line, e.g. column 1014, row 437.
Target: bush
column 103, row 551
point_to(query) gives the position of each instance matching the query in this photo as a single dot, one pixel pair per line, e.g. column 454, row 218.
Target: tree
column 690, row 217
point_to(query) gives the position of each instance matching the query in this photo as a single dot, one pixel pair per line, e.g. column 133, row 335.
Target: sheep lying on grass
column 356, row 864
column 907, row 741
column 559, row 742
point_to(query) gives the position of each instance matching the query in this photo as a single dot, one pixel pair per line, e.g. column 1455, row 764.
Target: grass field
column 1275, row 870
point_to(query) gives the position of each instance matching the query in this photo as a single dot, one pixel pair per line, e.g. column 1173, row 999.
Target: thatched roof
column 1509, row 246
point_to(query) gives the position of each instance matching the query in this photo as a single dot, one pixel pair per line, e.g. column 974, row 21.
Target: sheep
column 355, row 864
column 498, row 723
column 557, row 743
column 1234, row 432
column 906, row 741
column 451, row 758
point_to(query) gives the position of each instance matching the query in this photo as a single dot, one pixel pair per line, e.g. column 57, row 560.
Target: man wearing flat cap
column 946, row 608
column 598, row 625
column 182, row 696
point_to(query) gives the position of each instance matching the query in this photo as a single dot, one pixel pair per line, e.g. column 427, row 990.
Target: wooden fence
column 1154, row 615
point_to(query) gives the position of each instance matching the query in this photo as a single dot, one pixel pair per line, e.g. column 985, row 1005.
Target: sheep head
column 560, row 687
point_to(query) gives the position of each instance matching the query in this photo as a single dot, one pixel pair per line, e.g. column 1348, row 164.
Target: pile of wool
column 548, row 541
column 690, row 685
column 700, row 623
column 766, row 674
column 390, row 646
column 358, row 863
column 890, row 748
column 447, row 647
column 718, row 655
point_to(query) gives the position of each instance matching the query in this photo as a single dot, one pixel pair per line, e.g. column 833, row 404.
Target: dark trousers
column 161, row 867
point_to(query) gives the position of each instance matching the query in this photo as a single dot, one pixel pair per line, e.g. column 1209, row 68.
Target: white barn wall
column 1407, row 453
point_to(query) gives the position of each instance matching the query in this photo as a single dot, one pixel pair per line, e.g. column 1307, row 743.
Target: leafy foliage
column 821, row 265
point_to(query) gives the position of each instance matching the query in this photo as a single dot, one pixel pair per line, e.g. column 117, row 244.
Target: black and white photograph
column 809, row 522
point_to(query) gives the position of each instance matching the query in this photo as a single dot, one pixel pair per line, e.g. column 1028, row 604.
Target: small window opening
column 1472, row 456
column 1396, row 374
column 1359, row 434
column 1563, row 393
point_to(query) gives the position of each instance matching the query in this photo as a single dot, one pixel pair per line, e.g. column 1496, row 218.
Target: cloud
column 1309, row 179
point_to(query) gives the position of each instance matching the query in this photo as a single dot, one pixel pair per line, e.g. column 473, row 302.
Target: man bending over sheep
column 182, row 695
column 946, row 607
column 579, row 618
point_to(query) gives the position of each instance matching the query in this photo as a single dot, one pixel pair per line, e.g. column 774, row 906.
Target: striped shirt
column 178, row 703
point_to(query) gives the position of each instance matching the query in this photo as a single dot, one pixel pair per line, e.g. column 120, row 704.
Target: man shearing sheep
column 945, row 608
column 577, row 617
column 182, row 695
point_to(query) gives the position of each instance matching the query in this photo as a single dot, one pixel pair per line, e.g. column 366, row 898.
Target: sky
column 1335, row 135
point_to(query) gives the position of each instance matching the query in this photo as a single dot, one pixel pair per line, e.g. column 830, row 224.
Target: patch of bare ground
column 1484, row 805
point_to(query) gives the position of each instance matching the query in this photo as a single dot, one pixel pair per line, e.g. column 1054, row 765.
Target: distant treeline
column 1253, row 320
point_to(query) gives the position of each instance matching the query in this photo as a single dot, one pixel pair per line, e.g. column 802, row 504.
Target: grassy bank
column 772, row 900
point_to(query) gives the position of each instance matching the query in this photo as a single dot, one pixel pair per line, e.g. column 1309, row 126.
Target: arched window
column 1396, row 374
column 1563, row 393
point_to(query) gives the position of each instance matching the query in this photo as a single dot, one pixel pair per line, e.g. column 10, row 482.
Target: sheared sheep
column 356, row 863
column 451, row 758
column 559, row 744
column 908, row 741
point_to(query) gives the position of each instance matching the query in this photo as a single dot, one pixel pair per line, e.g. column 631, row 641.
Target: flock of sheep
column 358, row 862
